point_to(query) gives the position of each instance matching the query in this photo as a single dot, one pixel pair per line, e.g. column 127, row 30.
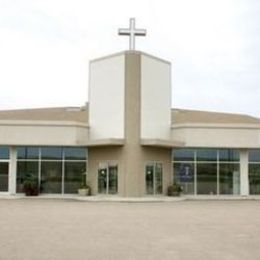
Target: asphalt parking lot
column 42, row 229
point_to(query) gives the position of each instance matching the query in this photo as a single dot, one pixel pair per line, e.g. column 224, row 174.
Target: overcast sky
column 213, row 45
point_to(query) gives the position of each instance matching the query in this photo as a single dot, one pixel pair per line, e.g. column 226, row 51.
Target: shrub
column 30, row 187
column 174, row 190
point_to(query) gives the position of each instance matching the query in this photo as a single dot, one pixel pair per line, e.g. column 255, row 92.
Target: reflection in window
column 207, row 178
column 51, row 153
column 75, row 173
column 58, row 169
column 183, row 155
column 108, row 178
column 207, row 155
column 229, row 179
column 184, row 175
column 154, row 178
column 26, row 169
column 213, row 171
column 229, row 155
column 4, row 152
column 51, row 177
column 28, row 152
column 4, row 167
column 254, row 155
column 72, row 153
column 254, row 179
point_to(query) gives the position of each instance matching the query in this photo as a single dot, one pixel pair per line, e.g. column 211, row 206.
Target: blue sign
column 186, row 173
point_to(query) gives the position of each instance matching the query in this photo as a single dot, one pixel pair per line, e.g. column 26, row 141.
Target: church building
column 127, row 140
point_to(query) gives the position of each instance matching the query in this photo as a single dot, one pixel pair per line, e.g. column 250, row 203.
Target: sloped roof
column 182, row 116
column 80, row 114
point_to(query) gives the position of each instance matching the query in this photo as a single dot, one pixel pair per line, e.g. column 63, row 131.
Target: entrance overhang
column 105, row 142
column 161, row 143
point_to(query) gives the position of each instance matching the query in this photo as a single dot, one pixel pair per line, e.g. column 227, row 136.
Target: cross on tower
column 132, row 32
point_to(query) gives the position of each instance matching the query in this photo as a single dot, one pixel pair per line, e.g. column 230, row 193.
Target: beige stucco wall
column 230, row 136
column 43, row 133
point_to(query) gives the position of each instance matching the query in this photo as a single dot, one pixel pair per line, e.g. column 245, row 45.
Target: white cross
column 132, row 32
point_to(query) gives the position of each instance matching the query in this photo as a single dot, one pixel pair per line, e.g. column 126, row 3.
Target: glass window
column 154, row 178
column 149, row 177
column 207, row 178
column 26, row 169
column 51, row 153
column 108, row 178
column 207, row 155
column 28, row 153
column 51, row 177
column 183, row 155
column 56, row 175
column 158, row 178
column 75, row 174
column 254, row 179
column 4, row 152
column 254, row 155
column 228, row 155
column 229, row 179
column 214, row 171
column 75, row 153
column 4, row 166
column 112, row 178
column 184, row 175
column 102, row 178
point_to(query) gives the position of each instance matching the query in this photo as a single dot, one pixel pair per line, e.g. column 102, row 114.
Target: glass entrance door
column 4, row 176
column 107, row 178
column 153, row 177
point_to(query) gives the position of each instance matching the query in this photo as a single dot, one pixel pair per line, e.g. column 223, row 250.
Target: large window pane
column 184, row 175
column 229, row 179
column 4, row 166
column 207, row 178
column 158, row 178
column 228, row 155
column 26, row 169
column 254, row 155
column 4, row 152
column 154, row 178
column 28, row 153
column 149, row 179
column 51, row 153
column 207, row 155
column 51, row 177
column 102, row 178
column 183, row 155
column 254, row 179
column 75, row 173
column 75, row 153
column 112, row 178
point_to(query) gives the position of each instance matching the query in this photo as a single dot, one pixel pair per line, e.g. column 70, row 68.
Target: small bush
column 30, row 187
column 174, row 190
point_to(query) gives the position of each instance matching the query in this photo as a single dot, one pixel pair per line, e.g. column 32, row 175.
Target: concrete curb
column 133, row 200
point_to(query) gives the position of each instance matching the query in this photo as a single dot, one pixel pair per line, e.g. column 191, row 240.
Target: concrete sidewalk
column 115, row 198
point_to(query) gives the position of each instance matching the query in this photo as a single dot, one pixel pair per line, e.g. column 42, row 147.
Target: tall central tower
column 130, row 100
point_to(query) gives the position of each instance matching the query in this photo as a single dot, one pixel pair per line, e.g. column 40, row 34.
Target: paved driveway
column 40, row 229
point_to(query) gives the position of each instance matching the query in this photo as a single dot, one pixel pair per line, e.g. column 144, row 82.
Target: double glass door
column 4, row 176
column 153, row 178
column 108, row 178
